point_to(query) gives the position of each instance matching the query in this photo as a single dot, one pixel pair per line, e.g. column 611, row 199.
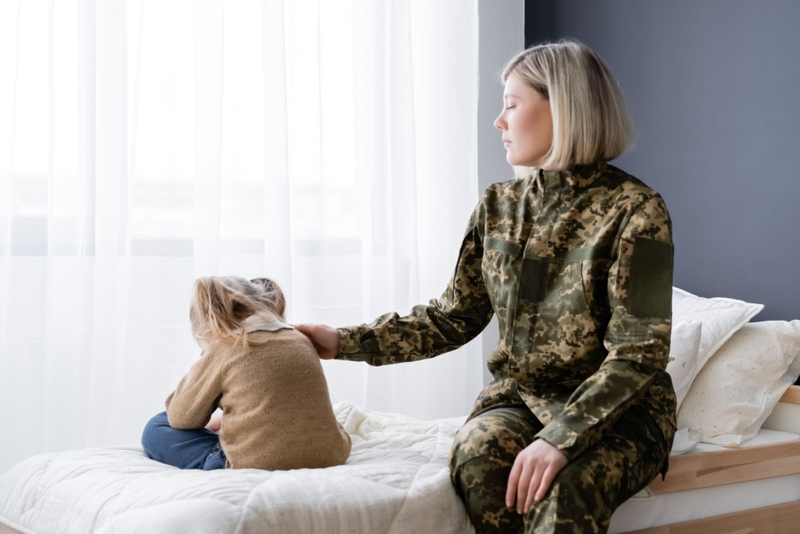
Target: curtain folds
column 329, row 145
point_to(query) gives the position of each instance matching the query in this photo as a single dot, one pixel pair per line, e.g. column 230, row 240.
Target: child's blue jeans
column 187, row 449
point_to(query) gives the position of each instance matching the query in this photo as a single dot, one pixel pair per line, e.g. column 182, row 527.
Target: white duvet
column 396, row 481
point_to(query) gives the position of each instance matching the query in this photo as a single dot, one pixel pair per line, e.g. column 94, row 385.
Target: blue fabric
column 186, row 449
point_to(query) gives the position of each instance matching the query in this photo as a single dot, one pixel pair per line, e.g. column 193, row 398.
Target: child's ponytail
column 271, row 296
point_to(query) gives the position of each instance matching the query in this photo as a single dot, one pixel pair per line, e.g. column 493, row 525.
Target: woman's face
column 526, row 122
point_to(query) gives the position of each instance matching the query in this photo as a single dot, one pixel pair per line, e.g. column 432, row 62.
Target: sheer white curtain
column 143, row 143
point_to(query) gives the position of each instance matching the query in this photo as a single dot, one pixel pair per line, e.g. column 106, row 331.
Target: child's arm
column 197, row 394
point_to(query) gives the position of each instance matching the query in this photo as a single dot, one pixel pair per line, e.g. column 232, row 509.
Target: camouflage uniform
column 578, row 268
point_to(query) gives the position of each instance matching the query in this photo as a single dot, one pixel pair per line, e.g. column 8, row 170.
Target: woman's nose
column 499, row 123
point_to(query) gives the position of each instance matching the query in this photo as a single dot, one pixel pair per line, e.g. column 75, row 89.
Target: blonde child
column 263, row 374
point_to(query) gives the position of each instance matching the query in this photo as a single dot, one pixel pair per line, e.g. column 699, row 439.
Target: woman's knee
column 488, row 444
column 487, row 436
column 483, row 453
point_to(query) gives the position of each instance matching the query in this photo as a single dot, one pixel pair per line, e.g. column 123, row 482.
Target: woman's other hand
column 324, row 338
column 533, row 471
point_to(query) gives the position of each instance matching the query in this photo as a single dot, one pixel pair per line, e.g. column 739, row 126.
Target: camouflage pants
column 583, row 495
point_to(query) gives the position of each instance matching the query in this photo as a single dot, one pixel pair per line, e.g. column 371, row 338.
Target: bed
column 396, row 481
column 732, row 377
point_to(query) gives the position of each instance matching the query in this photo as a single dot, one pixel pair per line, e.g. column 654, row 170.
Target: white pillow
column 683, row 347
column 721, row 318
column 686, row 439
column 740, row 385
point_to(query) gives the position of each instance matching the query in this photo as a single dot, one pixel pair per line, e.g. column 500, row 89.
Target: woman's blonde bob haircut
column 590, row 119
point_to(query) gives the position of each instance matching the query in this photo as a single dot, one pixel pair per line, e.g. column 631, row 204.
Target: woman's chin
column 518, row 162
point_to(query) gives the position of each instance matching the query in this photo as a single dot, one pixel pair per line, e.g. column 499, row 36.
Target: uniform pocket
column 532, row 279
column 501, row 273
column 565, row 297
column 578, row 284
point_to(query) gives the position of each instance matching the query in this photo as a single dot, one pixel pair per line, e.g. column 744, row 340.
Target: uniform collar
column 578, row 177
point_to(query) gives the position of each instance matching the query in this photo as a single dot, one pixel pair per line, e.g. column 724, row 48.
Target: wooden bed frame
column 728, row 466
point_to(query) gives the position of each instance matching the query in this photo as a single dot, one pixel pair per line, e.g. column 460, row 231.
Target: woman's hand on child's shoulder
column 324, row 338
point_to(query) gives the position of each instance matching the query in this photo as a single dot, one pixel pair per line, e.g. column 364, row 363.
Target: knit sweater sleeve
column 198, row 393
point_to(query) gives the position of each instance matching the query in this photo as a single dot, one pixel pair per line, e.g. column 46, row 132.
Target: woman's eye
column 510, row 107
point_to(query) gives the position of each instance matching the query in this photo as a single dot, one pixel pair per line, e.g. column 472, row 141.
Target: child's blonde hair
column 220, row 305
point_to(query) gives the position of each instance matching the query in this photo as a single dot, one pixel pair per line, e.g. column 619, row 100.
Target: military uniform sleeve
column 637, row 336
column 444, row 324
column 197, row 394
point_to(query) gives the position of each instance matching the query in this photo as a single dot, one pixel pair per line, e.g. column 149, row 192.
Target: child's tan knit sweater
column 277, row 411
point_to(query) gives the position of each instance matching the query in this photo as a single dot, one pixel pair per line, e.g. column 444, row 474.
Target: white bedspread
column 396, row 481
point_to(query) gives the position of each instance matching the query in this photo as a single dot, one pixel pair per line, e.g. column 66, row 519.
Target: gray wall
column 714, row 90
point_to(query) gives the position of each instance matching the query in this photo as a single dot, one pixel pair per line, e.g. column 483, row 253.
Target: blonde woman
column 264, row 376
column 574, row 256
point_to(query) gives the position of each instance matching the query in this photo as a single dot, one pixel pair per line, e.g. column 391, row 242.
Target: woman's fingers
column 520, row 490
column 324, row 338
column 534, row 487
column 547, row 479
column 532, row 474
column 307, row 329
column 523, row 486
column 513, row 480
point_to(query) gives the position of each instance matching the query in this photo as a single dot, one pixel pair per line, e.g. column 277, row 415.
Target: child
column 263, row 374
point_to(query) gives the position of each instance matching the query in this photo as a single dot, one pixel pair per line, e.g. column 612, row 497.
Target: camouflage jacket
column 578, row 268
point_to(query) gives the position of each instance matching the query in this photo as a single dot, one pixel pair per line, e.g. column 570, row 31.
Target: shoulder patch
column 650, row 285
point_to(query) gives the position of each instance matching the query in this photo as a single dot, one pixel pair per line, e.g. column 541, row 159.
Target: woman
column 575, row 259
